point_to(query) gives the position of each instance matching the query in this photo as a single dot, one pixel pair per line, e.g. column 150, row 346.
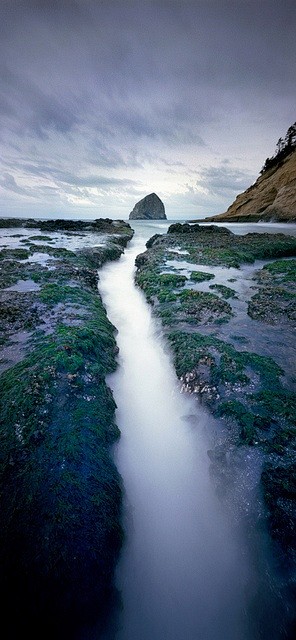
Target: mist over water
column 184, row 573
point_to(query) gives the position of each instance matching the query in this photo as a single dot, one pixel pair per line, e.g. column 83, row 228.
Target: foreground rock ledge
column 60, row 492
column 246, row 386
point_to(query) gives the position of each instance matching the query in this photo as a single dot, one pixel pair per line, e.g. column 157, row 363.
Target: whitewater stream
column 184, row 572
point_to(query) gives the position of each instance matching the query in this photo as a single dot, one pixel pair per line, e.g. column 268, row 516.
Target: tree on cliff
column 290, row 139
column 284, row 146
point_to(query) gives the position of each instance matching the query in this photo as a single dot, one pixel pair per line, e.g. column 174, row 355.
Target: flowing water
column 185, row 571
column 189, row 569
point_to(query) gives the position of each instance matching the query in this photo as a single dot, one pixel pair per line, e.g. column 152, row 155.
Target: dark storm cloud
column 223, row 180
column 39, row 112
column 65, row 59
column 112, row 85
column 156, row 125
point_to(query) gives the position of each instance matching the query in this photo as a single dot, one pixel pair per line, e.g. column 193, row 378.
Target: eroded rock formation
column 271, row 198
column 149, row 208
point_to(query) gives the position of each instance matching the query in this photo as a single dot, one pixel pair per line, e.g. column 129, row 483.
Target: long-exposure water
column 184, row 573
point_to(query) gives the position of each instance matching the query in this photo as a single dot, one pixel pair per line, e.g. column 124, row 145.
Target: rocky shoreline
column 250, row 390
column 61, row 494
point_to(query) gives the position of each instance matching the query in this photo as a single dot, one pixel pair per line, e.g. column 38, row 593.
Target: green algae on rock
column 275, row 300
column 61, row 493
column 248, row 391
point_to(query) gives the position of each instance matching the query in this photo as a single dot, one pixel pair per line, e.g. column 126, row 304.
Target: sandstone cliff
column 271, row 198
column 149, row 208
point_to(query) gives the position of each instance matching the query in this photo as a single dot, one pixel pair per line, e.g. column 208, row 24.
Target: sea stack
column 149, row 208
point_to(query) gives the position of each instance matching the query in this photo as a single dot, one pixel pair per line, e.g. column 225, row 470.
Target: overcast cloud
column 103, row 102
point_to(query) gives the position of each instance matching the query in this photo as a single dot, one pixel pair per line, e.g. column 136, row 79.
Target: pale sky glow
column 103, row 102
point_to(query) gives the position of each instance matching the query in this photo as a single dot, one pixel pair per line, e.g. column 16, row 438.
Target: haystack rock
column 149, row 208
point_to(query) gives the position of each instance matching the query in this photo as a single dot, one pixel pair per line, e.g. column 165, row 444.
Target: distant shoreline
column 244, row 220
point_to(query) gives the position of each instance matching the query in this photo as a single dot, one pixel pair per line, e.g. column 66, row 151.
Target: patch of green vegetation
column 272, row 303
column 60, row 496
column 284, row 269
column 147, row 280
column 215, row 247
column 215, row 256
column 243, row 387
column 240, row 339
column 9, row 312
column 160, row 285
column 255, row 413
column 277, row 402
column 269, row 371
column 56, row 427
column 188, row 349
column 42, row 274
column 7, row 277
column 200, row 302
column 226, row 292
column 56, row 252
column 41, row 238
column 172, row 280
column 230, row 369
column 166, row 314
column 230, row 365
column 56, row 368
column 14, row 254
column 201, row 276
column 166, row 283
column 245, row 419
column 52, row 294
column 279, row 487
column 284, row 437
column 191, row 295
column 11, row 271
column 221, row 320
column 167, row 296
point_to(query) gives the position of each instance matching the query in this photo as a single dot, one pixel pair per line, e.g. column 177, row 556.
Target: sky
column 103, row 102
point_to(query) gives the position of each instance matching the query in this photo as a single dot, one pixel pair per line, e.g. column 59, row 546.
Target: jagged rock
column 271, row 198
column 149, row 208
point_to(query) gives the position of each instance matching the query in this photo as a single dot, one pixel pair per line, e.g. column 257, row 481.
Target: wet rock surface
column 209, row 326
column 275, row 301
column 60, row 499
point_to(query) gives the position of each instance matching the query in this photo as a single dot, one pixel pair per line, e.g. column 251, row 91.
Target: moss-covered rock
column 60, row 492
column 226, row 292
column 275, row 300
column 248, row 391
column 201, row 276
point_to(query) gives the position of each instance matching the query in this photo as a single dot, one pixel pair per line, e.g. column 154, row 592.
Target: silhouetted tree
column 284, row 146
column 280, row 145
column 290, row 139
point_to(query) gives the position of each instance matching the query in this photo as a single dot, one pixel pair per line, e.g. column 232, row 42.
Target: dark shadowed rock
column 149, row 208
